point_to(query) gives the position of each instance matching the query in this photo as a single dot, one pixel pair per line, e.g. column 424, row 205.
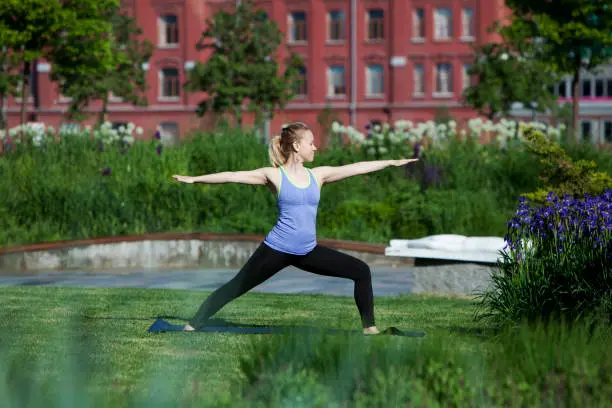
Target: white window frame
column 162, row 76
column 336, row 73
column 341, row 22
column 443, row 23
column 304, row 84
column 162, row 31
column 291, row 20
column 369, row 21
column 31, row 87
column 418, row 80
column 418, row 25
column 375, row 80
column 466, row 80
column 603, row 130
column 167, row 137
column 593, row 129
column 441, row 91
column 468, row 29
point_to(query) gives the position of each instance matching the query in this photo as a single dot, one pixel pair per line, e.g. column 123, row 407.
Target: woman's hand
column 183, row 179
column 402, row 162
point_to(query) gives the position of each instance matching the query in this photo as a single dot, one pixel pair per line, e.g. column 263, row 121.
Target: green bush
column 558, row 264
column 83, row 187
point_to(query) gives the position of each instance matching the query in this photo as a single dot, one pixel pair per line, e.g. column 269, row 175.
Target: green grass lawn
column 105, row 332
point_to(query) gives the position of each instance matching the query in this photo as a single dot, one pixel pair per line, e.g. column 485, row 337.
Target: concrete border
column 163, row 250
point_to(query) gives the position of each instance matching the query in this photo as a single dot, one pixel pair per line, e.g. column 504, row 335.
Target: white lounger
column 449, row 247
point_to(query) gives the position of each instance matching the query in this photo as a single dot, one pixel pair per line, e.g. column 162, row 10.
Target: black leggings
column 265, row 262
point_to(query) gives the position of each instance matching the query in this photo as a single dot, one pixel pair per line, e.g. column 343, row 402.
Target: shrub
column 560, row 173
column 558, row 262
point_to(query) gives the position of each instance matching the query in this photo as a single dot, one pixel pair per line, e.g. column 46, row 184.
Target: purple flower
column 157, row 135
column 416, row 150
column 106, row 171
column 159, row 149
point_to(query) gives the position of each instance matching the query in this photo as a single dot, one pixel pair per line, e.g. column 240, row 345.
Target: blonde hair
column 280, row 146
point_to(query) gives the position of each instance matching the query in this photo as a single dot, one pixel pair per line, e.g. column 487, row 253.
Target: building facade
column 364, row 60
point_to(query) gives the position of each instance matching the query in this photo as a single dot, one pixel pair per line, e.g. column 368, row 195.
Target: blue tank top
column 295, row 231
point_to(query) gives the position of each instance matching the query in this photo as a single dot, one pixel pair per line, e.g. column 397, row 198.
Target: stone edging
column 178, row 236
column 165, row 250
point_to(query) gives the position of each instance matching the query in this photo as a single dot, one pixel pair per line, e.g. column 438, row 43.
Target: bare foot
column 188, row 328
column 370, row 330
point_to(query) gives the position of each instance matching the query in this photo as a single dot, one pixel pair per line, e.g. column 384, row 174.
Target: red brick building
column 364, row 59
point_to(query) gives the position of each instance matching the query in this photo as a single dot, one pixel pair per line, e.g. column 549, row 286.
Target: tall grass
column 555, row 365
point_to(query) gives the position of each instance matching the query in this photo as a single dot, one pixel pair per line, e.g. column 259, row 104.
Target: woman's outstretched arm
column 258, row 176
column 329, row 174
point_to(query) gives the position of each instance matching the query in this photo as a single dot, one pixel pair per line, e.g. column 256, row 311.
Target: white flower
column 139, row 130
column 383, row 150
column 371, row 151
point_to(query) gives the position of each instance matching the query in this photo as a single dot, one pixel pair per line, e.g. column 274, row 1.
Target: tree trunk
column 576, row 105
column 104, row 110
column 25, row 94
column 238, row 114
column 3, row 120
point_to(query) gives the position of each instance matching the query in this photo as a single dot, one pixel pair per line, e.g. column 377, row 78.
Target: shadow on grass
column 217, row 325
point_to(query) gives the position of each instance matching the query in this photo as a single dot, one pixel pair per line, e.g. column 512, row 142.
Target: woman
column 292, row 241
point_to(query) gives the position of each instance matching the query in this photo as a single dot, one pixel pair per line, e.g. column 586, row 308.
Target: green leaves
column 243, row 65
column 510, row 72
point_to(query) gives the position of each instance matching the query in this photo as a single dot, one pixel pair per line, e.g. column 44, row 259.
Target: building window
column 444, row 79
column 419, row 80
column 31, row 85
column 467, row 23
column 114, row 98
column 609, row 88
column 297, row 27
column 168, row 133
column 376, row 24
column 302, row 85
column 169, row 83
column 375, row 82
column 167, row 26
column 607, row 131
column 336, row 25
column 586, row 130
column 418, row 24
column 336, row 81
column 443, row 27
column 585, row 88
column 467, row 78
column 599, row 88
column 562, row 92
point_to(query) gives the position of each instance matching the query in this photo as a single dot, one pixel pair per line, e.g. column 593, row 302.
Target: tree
column 575, row 36
column 243, row 64
column 9, row 82
column 63, row 32
column 27, row 28
column 125, row 77
column 509, row 72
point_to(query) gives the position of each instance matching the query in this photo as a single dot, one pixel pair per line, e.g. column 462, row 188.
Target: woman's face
column 307, row 148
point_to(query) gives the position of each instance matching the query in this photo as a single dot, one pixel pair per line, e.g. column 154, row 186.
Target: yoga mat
column 161, row 326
